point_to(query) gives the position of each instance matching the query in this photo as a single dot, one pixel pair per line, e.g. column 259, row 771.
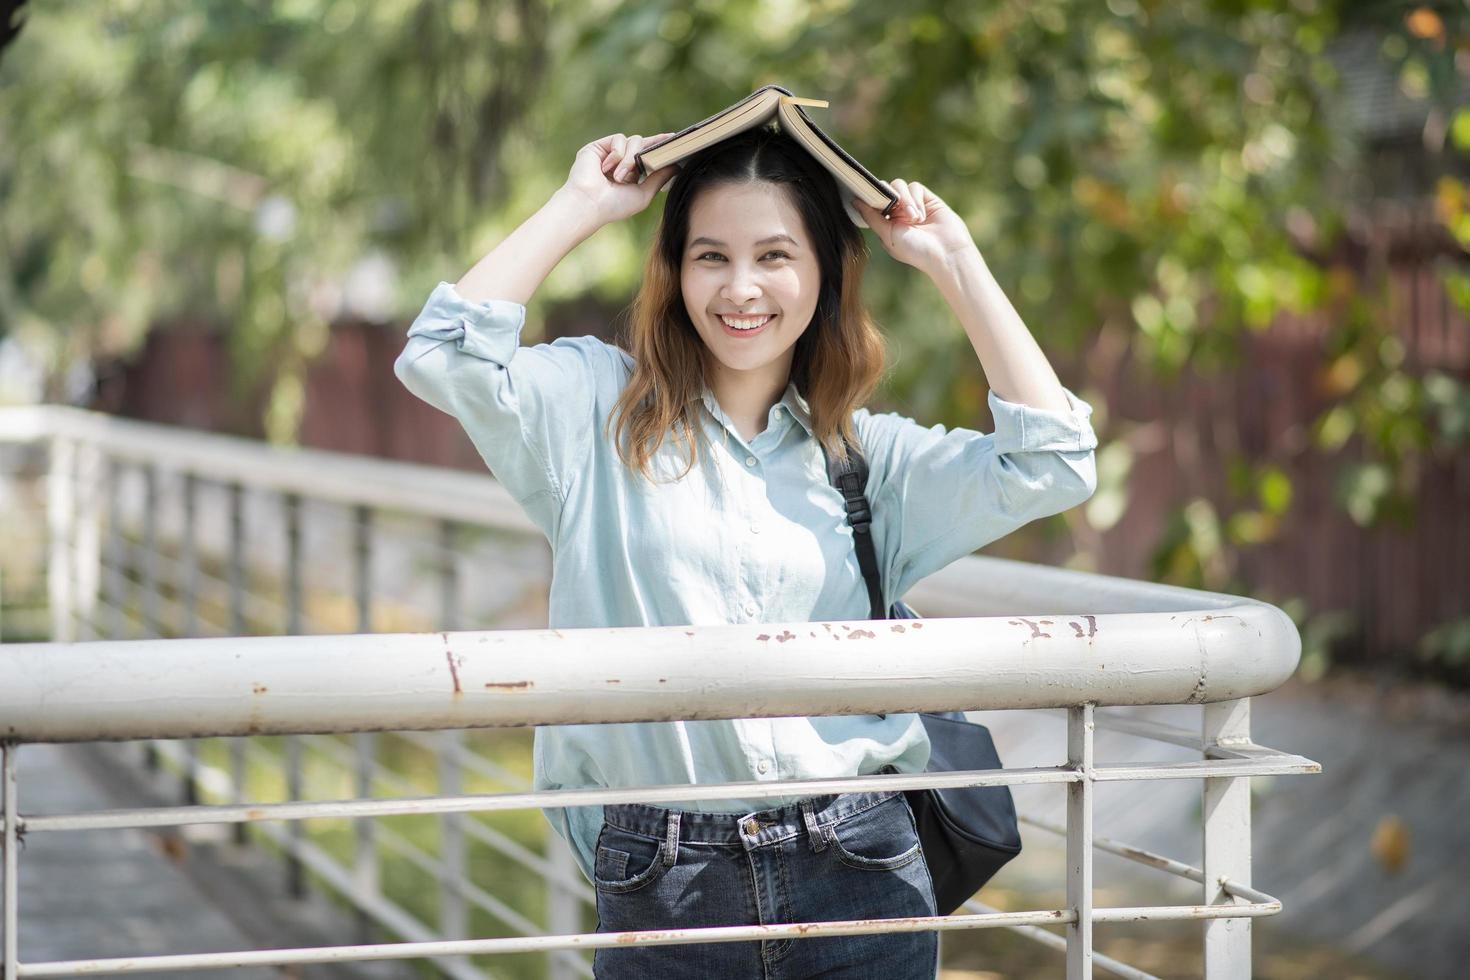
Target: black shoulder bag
column 967, row 833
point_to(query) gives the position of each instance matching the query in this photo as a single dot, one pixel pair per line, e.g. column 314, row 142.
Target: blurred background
column 1239, row 228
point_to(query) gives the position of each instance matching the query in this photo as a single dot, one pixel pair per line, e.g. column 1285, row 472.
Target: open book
column 758, row 108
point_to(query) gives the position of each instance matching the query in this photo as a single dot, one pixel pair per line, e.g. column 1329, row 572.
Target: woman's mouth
column 746, row 326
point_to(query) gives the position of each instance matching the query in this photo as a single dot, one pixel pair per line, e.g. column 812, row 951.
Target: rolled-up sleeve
column 939, row 494
column 528, row 410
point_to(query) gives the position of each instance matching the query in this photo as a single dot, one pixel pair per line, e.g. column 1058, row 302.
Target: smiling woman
column 683, row 481
column 753, row 225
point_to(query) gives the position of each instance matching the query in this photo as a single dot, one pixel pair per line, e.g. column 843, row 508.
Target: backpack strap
column 851, row 478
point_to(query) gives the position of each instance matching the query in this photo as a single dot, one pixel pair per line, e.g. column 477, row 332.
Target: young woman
column 682, row 482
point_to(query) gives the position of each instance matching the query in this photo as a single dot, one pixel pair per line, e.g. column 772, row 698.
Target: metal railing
column 127, row 558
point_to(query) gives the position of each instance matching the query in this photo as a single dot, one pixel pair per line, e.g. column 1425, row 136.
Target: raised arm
column 926, row 233
column 602, row 187
column 530, row 411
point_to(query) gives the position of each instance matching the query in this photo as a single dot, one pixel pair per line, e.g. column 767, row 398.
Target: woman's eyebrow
column 763, row 241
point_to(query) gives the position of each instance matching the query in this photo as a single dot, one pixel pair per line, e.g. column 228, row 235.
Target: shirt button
column 763, row 767
column 750, row 461
column 751, row 609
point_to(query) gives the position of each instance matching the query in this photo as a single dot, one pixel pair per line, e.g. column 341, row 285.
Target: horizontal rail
column 1059, row 943
column 342, row 478
column 349, row 809
column 120, row 690
column 652, row 937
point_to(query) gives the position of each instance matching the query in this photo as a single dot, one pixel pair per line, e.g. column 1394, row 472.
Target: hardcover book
column 761, row 106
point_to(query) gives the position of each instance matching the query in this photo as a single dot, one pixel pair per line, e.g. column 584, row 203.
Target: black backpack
column 967, row 833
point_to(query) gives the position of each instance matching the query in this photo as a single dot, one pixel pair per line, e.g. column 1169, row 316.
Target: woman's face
column 750, row 279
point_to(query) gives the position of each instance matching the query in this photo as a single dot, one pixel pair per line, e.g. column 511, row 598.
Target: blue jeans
column 854, row 856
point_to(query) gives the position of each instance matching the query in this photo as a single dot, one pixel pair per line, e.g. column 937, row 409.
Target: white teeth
column 746, row 323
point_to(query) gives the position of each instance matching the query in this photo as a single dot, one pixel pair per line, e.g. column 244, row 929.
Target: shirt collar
column 798, row 407
column 791, row 401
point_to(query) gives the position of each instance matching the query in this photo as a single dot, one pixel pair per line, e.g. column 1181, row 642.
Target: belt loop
column 671, row 839
column 814, row 834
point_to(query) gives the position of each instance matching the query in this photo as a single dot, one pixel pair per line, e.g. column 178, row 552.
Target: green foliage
column 1156, row 172
column 1448, row 646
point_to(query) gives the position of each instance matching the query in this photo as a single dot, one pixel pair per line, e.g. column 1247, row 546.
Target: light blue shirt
column 757, row 534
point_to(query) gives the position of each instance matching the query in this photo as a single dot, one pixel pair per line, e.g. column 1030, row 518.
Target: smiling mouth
column 746, row 324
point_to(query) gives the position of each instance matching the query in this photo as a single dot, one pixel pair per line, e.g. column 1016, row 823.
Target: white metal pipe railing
column 337, row 477
column 1015, row 644
column 361, row 683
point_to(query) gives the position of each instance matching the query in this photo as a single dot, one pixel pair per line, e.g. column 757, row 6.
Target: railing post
column 87, row 541
column 148, row 573
column 1227, row 844
column 148, row 579
column 236, row 576
column 189, row 600
column 295, row 876
column 8, row 786
column 60, row 517
column 364, row 742
column 117, row 551
column 1080, row 728
column 563, row 908
column 454, row 922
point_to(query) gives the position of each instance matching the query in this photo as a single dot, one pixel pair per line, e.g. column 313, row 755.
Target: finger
column 870, row 214
column 616, row 144
column 900, row 206
column 923, row 198
column 906, row 195
column 655, row 181
column 874, row 220
column 627, row 170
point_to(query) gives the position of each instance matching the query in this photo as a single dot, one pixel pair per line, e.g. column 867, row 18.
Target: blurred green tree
column 1156, row 176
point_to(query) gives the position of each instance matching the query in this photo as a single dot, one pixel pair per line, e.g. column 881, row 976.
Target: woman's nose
column 741, row 289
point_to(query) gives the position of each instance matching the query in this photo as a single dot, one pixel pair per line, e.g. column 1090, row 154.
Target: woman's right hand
column 605, row 174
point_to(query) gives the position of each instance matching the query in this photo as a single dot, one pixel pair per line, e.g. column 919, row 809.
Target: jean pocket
column 626, row 861
column 880, row 838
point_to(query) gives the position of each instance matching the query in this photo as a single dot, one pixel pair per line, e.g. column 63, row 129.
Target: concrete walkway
column 99, row 894
column 107, row 893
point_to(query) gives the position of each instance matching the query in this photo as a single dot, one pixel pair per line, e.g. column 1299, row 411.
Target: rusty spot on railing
column 453, row 666
column 613, row 680
column 1091, row 626
column 508, row 685
column 258, row 688
column 785, row 635
column 862, row 635
column 918, row 626
column 254, row 814
column 764, row 637
column 897, row 628
column 1036, row 631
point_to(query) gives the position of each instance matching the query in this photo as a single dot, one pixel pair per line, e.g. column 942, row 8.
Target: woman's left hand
column 921, row 230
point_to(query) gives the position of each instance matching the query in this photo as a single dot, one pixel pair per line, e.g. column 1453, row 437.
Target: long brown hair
column 838, row 359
